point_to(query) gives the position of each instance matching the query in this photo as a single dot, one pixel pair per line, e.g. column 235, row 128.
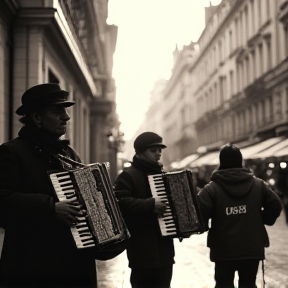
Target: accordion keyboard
column 166, row 221
column 65, row 191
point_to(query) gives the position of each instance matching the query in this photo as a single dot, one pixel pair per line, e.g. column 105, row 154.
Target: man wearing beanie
column 239, row 206
column 151, row 256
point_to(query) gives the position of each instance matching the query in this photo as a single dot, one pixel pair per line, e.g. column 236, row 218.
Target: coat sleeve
column 271, row 204
column 129, row 204
column 18, row 206
column 206, row 204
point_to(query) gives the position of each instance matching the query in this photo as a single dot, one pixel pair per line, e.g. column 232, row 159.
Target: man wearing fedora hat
column 39, row 249
column 151, row 256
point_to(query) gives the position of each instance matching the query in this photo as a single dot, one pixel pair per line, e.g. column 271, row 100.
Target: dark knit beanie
column 147, row 140
column 230, row 157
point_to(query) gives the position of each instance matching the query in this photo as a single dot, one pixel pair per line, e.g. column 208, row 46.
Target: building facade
column 241, row 73
column 171, row 113
column 179, row 107
column 154, row 114
column 65, row 42
column 230, row 86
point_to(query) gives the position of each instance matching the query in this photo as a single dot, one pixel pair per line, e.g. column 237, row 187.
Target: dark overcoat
column 239, row 205
column 38, row 248
column 146, row 247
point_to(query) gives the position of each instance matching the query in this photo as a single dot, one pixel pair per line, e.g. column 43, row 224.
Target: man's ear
column 36, row 118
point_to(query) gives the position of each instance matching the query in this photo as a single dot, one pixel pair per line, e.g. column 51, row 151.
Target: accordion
column 103, row 225
column 182, row 216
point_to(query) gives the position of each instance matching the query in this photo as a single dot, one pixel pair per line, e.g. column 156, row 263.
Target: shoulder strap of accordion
column 68, row 163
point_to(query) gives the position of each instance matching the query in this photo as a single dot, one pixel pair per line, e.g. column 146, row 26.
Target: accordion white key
column 182, row 216
column 91, row 185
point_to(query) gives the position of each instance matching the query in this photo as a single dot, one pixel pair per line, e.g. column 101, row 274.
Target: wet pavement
column 193, row 268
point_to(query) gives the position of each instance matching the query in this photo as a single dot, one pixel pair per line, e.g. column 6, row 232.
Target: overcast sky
column 148, row 31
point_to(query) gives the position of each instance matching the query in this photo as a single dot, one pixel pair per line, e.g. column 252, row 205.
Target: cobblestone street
column 193, row 268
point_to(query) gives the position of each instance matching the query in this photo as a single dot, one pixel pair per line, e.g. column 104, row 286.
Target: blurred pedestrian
column 239, row 206
column 39, row 250
column 151, row 256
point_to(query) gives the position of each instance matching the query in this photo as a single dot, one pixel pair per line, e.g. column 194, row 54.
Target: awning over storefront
column 282, row 153
column 187, row 160
column 206, row 159
column 272, row 151
column 247, row 152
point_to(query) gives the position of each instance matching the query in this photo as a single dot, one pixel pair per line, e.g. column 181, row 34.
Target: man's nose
column 65, row 115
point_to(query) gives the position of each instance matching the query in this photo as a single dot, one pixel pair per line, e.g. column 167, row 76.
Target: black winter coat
column 239, row 205
column 38, row 249
column 146, row 247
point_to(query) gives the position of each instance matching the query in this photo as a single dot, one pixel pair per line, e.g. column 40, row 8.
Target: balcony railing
column 78, row 17
column 283, row 11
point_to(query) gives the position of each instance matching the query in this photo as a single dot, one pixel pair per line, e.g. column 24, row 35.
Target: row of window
column 250, row 68
column 246, row 23
column 251, row 64
column 272, row 109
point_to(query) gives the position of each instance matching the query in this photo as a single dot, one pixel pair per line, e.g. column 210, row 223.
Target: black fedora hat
column 42, row 95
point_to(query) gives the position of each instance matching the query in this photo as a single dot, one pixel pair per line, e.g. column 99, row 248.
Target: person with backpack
column 239, row 205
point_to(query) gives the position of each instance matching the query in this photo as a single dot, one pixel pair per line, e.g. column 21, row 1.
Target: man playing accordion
column 151, row 256
column 38, row 249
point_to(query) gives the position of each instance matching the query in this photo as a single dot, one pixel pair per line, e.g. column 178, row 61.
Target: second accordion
column 182, row 216
column 103, row 225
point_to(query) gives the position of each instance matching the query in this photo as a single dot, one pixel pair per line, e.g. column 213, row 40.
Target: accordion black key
column 182, row 216
column 91, row 185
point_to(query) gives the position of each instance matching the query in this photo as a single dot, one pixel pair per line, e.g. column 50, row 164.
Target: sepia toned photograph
column 143, row 143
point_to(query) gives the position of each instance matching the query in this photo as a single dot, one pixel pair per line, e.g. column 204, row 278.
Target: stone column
column 5, row 42
column 28, row 54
